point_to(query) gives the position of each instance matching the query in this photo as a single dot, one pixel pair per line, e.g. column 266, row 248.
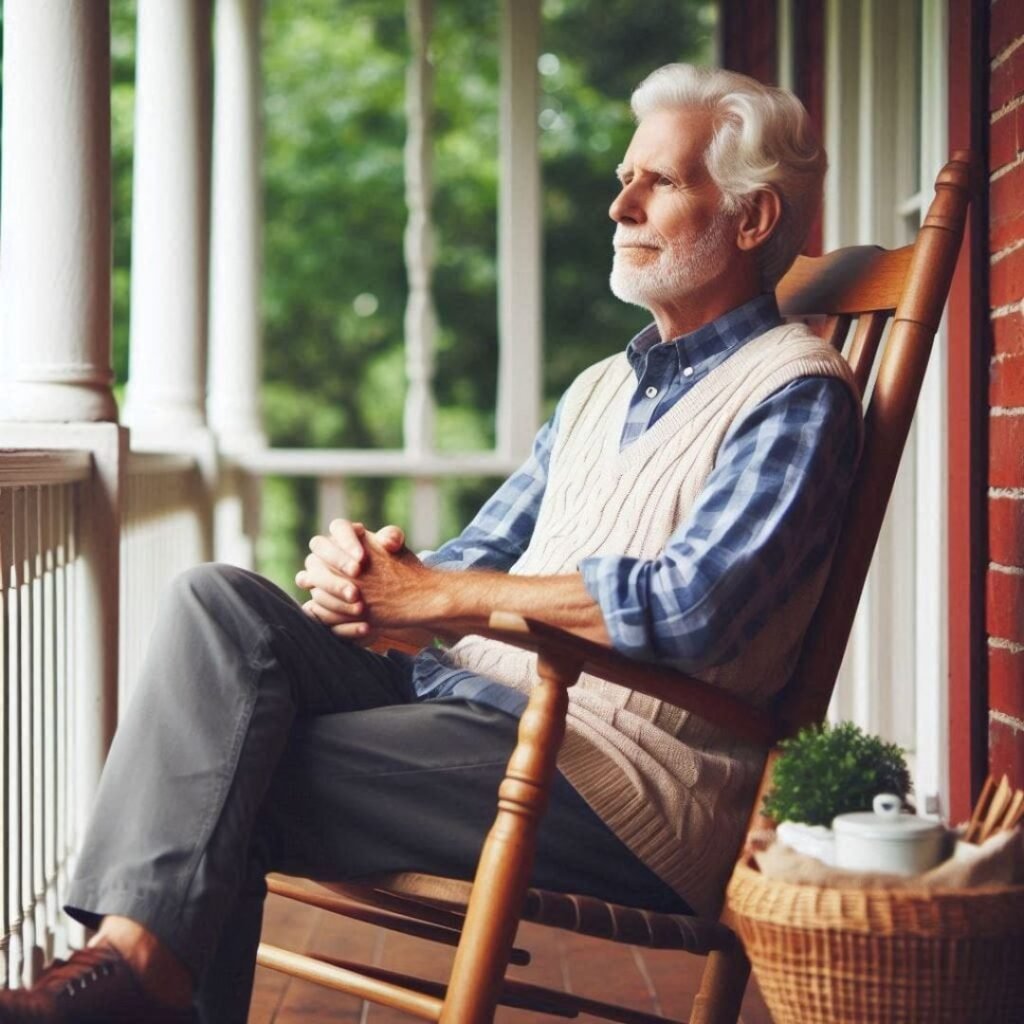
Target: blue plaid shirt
column 766, row 518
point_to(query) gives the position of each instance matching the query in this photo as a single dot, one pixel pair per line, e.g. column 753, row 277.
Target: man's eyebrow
column 659, row 170
column 663, row 171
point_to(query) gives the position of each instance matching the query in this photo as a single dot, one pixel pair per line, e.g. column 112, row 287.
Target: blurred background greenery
column 334, row 284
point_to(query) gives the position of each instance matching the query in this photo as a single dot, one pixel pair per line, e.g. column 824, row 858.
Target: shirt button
column 688, row 371
column 651, row 392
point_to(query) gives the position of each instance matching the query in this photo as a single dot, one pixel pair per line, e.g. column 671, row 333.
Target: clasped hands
column 360, row 581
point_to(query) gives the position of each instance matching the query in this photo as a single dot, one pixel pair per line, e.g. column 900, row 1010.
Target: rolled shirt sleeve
column 767, row 517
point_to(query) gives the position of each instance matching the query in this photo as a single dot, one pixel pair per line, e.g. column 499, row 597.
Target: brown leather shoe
column 95, row 986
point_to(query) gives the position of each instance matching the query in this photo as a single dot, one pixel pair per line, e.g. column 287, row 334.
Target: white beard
column 682, row 266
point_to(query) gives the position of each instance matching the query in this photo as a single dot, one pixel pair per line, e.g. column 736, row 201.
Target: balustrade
column 39, row 560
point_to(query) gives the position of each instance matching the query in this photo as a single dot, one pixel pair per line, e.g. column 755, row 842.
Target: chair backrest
column 869, row 285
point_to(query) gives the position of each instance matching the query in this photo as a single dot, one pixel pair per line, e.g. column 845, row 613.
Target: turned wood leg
column 721, row 988
column 506, row 861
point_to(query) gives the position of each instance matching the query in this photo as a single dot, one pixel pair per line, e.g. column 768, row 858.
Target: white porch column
column 420, row 315
column 55, row 256
column 235, row 235
column 519, row 232
column 784, row 28
column 170, row 203
column 55, row 250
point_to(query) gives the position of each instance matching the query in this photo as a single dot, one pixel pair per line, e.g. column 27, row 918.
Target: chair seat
column 444, row 900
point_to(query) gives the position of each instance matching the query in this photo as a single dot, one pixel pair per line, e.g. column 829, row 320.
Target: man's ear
column 759, row 219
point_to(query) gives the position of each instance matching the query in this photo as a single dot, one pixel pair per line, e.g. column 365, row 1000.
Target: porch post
column 170, row 204
column 420, row 315
column 974, row 325
column 55, row 351
column 233, row 395
column 519, row 232
column 55, row 249
column 235, row 230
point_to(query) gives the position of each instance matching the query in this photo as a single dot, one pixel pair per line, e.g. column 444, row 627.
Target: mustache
column 630, row 237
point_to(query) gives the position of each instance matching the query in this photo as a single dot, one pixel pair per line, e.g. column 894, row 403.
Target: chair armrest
column 676, row 688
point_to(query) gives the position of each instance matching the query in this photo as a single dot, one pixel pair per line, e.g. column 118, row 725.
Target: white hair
column 762, row 138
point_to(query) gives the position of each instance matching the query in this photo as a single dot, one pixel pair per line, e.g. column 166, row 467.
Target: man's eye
column 665, row 182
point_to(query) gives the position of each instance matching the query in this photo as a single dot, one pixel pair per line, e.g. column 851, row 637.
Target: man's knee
column 211, row 581
column 219, row 592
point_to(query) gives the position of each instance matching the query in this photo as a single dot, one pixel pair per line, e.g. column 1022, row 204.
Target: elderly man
column 681, row 505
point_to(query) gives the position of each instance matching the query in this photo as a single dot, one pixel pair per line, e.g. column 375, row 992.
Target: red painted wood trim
column 749, row 33
column 968, row 417
column 809, row 82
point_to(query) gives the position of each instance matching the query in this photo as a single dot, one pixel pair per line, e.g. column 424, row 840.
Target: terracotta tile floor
column 656, row 981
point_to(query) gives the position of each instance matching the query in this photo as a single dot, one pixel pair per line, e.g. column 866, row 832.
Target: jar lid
column 886, row 822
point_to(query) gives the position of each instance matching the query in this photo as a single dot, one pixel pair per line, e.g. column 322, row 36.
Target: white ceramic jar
column 886, row 840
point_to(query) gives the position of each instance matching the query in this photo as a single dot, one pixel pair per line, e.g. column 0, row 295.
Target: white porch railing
column 165, row 529
column 39, row 556
column 333, row 468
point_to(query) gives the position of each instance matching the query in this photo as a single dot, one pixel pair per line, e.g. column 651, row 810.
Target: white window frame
column 873, row 195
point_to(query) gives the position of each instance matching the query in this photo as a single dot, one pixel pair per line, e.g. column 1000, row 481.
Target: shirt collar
column 728, row 331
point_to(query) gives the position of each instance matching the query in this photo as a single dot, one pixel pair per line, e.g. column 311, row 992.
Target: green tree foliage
column 604, row 51
column 122, row 113
column 334, row 283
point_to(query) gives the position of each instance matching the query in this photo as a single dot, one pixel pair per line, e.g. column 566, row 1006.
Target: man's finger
column 333, row 604
column 349, row 537
column 352, row 630
column 332, row 556
column 317, row 574
column 315, row 612
column 324, row 616
column 392, row 538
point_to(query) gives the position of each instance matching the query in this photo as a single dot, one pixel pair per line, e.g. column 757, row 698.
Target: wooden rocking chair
column 863, row 283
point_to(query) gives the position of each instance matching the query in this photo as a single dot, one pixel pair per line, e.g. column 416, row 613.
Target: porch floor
column 658, row 981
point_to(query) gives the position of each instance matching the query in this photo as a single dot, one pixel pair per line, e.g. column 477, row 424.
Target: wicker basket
column 867, row 956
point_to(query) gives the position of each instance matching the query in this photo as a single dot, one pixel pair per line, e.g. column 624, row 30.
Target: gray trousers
column 256, row 741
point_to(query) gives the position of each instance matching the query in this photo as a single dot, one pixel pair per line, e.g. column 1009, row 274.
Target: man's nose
column 626, row 207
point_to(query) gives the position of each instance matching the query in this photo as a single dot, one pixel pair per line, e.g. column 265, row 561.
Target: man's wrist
column 432, row 598
column 443, row 598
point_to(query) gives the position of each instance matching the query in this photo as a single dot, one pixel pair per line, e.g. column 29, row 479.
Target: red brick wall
column 1005, row 586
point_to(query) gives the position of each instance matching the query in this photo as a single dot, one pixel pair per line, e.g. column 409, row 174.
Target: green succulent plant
column 829, row 770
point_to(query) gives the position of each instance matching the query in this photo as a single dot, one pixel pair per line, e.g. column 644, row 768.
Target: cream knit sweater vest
column 676, row 790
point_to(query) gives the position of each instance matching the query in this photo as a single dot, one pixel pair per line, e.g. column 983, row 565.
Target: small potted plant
column 827, row 771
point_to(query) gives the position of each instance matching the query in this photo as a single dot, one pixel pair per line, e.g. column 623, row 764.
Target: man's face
column 672, row 242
